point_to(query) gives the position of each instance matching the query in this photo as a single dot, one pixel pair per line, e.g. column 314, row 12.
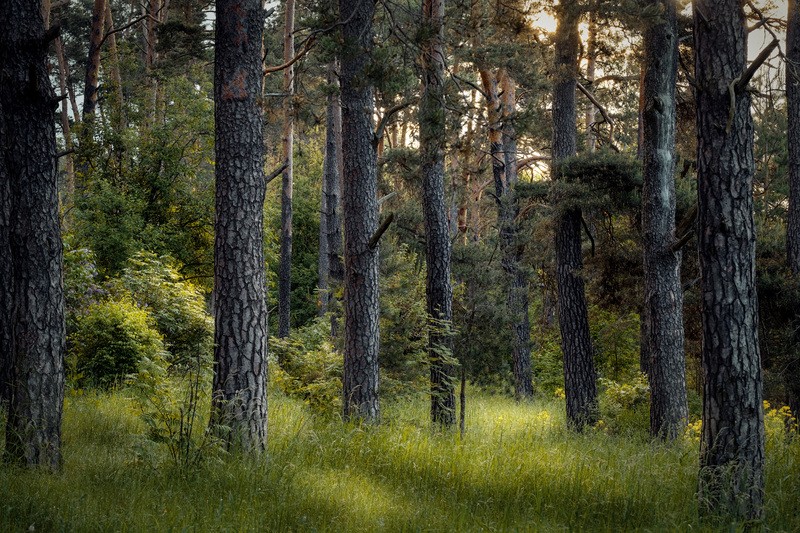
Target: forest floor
column 517, row 469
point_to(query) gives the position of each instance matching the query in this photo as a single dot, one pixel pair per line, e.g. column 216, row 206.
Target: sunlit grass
column 517, row 469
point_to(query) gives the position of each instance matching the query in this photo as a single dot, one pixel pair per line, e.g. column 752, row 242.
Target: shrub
column 625, row 406
column 309, row 366
column 177, row 307
column 110, row 342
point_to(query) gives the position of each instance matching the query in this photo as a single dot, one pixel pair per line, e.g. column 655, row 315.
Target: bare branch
column 277, row 172
column 385, row 120
column 373, row 241
column 748, row 74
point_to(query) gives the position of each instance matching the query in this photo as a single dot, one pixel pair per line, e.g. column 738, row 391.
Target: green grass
column 518, row 469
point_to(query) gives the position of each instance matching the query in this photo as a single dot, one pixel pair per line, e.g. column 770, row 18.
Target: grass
column 518, row 469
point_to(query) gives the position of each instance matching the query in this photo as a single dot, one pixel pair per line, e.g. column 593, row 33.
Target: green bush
column 110, row 342
column 178, row 307
column 625, row 406
column 309, row 366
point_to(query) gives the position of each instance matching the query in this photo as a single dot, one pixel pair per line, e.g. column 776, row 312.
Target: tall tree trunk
column 65, row 127
column 360, row 192
column 331, row 222
column 662, row 280
column 86, row 136
column 239, row 399
column 732, row 447
column 580, row 378
column 591, row 71
column 118, row 108
column 438, row 290
column 793, row 138
column 287, row 189
column 517, row 297
column 502, row 141
column 30, row 241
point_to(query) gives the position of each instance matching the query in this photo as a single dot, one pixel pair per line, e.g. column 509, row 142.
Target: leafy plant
column 110, row 342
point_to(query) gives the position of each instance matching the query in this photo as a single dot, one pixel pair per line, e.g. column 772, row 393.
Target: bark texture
column 793, row 108
column 360, row 189
column 732, row 447
column 287, row 181
column 502, row 140
column 580, row 378
column 239, row 400
column 662, row 280
column 438, row 290
column 30, row 241
column 331, row 267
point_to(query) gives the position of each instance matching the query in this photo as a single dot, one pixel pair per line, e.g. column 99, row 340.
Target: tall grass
column 517, row 469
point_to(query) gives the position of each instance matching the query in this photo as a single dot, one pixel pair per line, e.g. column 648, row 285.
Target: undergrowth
column 517, row 469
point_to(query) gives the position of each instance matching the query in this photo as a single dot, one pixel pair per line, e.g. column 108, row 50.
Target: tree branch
column 748, row 74
column 277, row 172
column 385, row 120
column 600, row 108
column 684, row 229
column 124, row 27
column 588, row 233
column 309, row 43
column 373, row 241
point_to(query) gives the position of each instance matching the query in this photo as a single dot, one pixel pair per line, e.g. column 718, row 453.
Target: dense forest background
column 135, row 133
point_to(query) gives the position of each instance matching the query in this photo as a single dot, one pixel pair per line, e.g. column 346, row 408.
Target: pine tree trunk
column 331, row 221
column 86, row 133
column 793, row 138
column 580, row 379
column 69, row 167
column 360, row 191
column 438, row 290
column 287, row 182
column 30, row 242
column 662, row 280
column 118, row 107
column 239, row 399
column 732, row 447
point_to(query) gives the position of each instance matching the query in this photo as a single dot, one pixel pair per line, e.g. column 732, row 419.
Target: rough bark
column 30, row 241
column 93, row 60
column 580, row 378
column 793, row 138
column 287, row 181
column 438, row 290
column 118, row 109
column 732, row 446
column 502, row 139
column 331, row 221
column 662, row 280
column 239, row 400
column 360, row 189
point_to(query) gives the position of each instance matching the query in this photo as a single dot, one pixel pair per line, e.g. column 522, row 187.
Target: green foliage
column 309, row 367
column 517, row 469
column 625, row 406
column 403, row 320
column 81, row 285
column 111, row 341
column 172, row 408
column 616, row 340
column 177, row 307
column 602, row 180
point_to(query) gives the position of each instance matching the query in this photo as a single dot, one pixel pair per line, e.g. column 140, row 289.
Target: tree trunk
column 591, row 71
column 65, row 127
column 732, row 448
column 239, row 399
column 287, row 189
column 30, row 241
column 331, row 222
column 662, row 280
column 580, row 379
column 502, row 140
column 118, row 108
column 86, row 133
column 438, row 290
column 360, row 191
column 793, row 109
